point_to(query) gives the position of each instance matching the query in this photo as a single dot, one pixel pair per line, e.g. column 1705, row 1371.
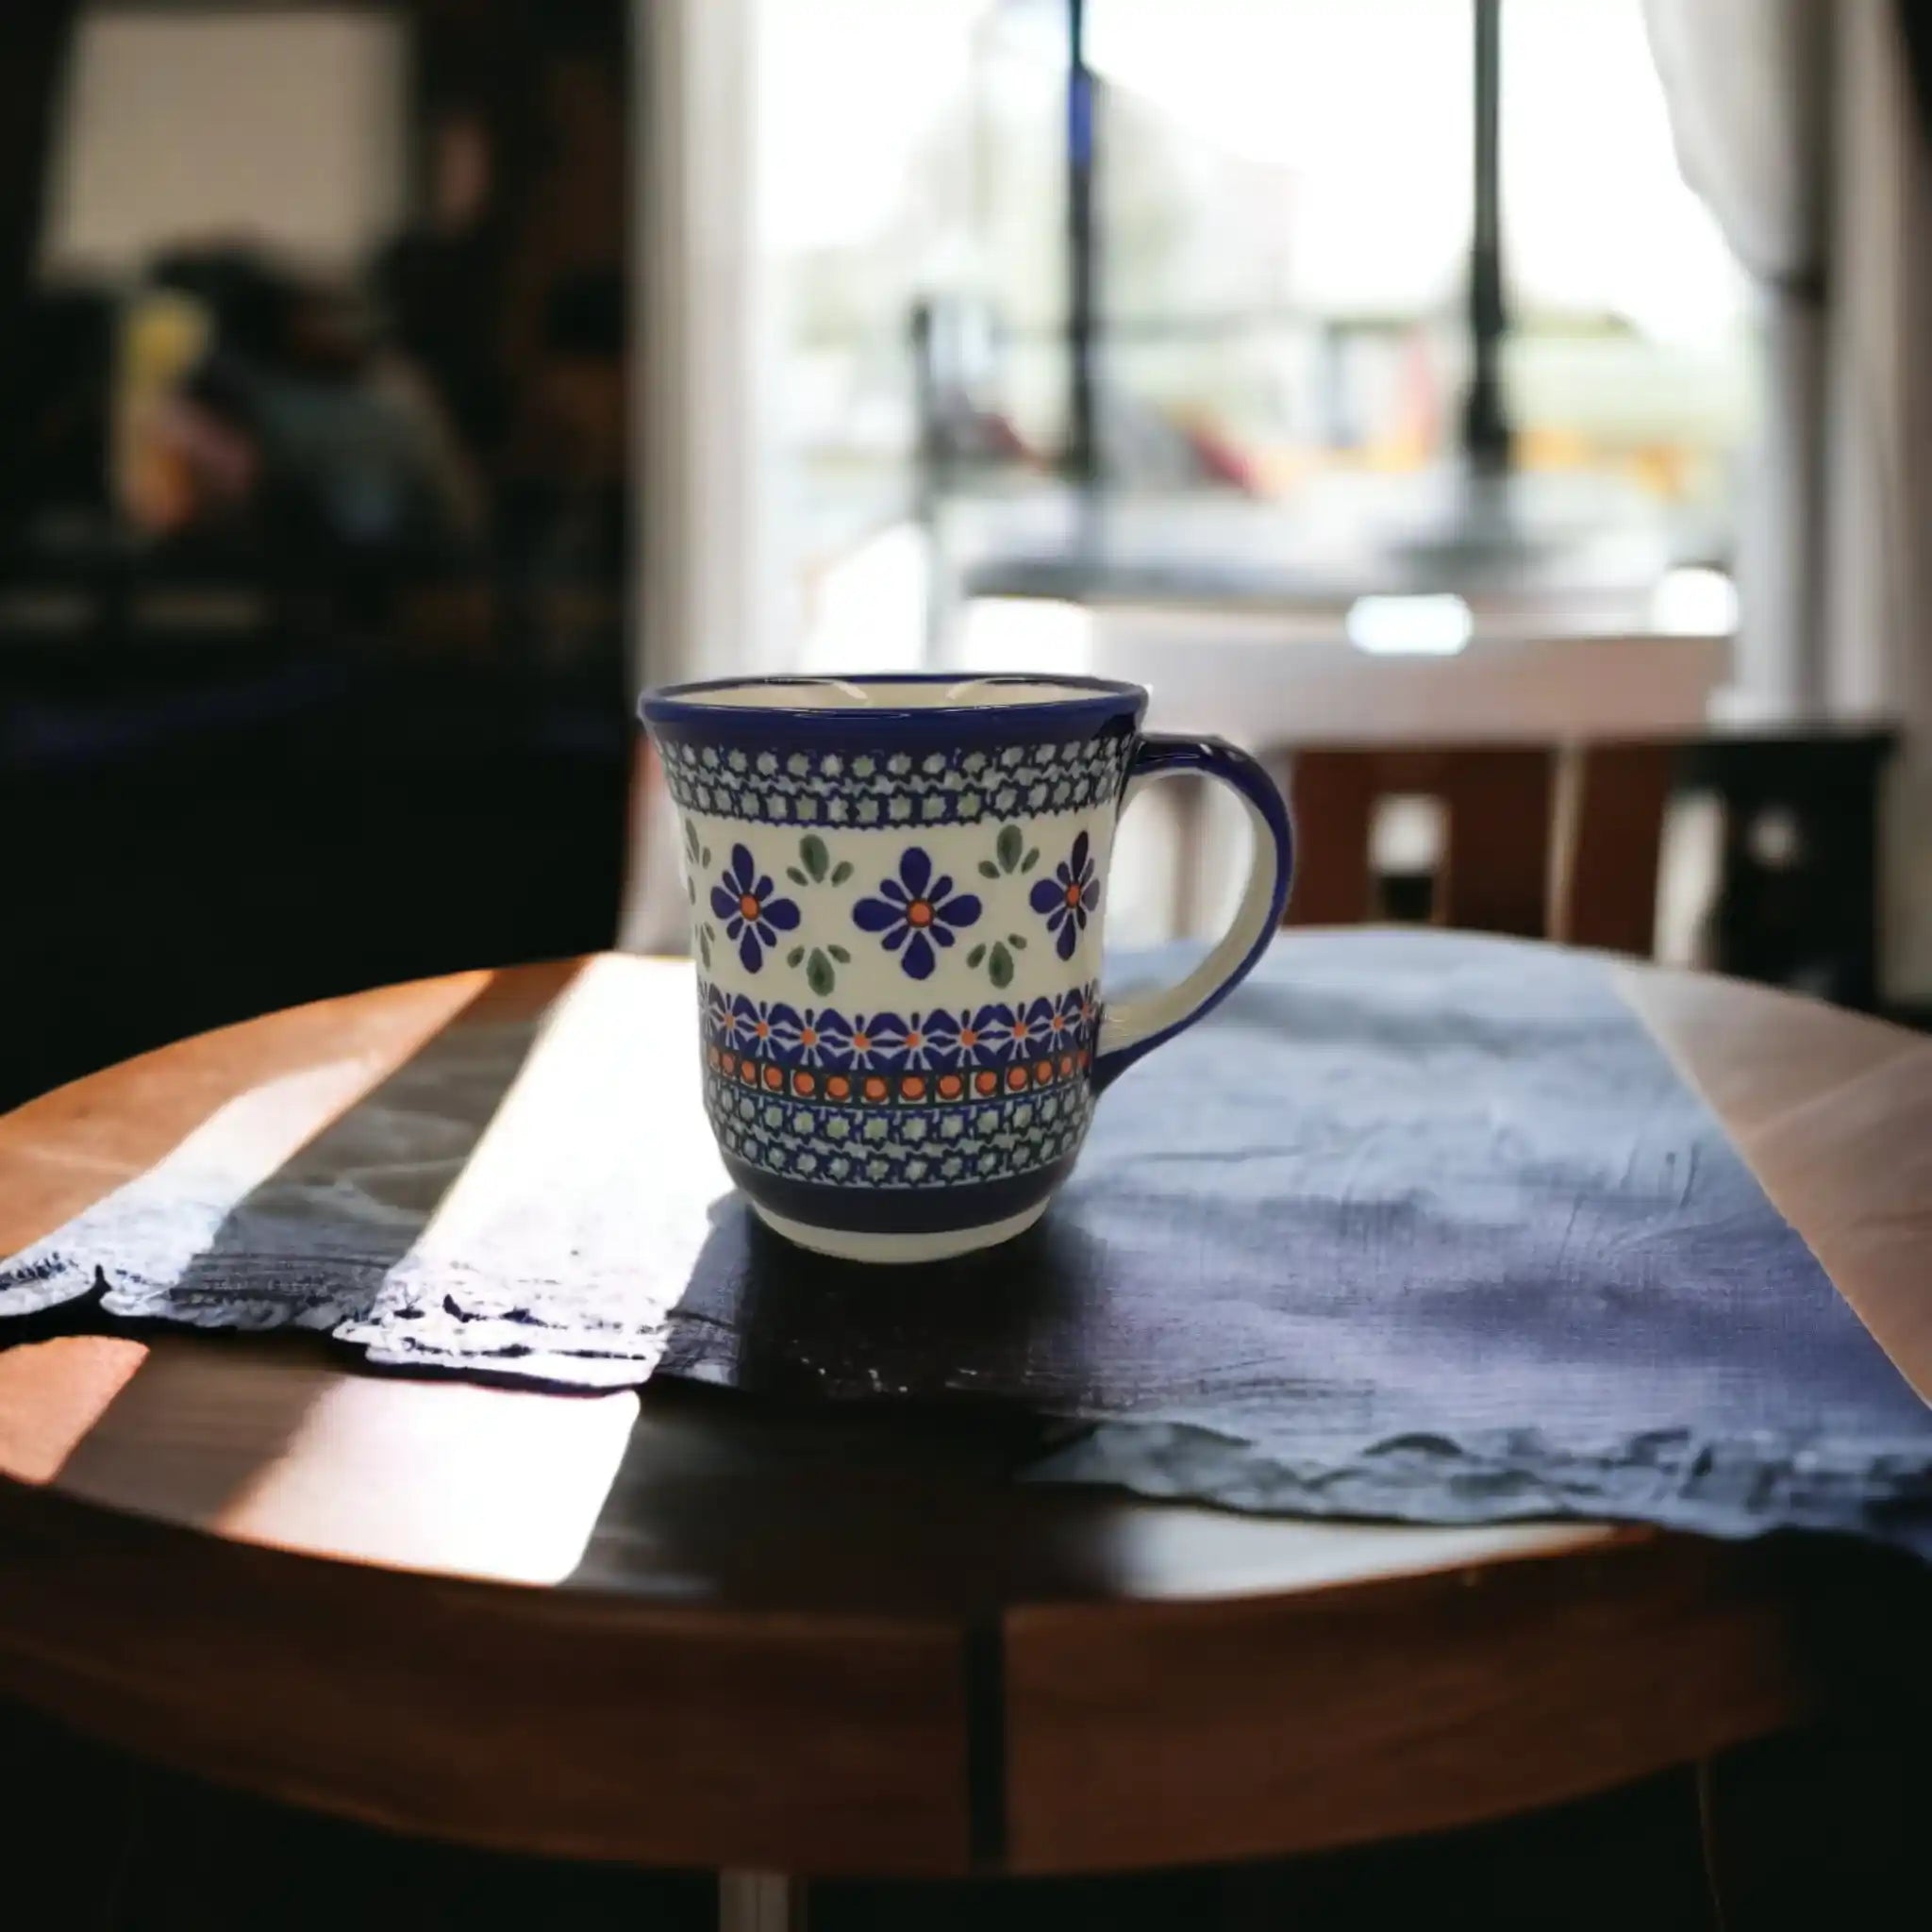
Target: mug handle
column 1135, row 1027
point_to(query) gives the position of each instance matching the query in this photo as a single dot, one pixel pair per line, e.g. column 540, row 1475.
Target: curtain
column 1878, row 650
column 1748, row 85
column 708, row 596
column 1798, row 124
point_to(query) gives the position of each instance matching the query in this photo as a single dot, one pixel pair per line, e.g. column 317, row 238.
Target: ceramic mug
column 897, row 889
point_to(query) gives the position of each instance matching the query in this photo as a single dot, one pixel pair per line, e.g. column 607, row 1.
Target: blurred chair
column 1540, row 842
column 1565, row 841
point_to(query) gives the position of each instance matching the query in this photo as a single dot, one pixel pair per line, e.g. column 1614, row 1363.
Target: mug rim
column 1085, row 703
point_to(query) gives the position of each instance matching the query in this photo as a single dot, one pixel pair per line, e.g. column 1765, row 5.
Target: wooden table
column 1238, row 614
column 774, row 1640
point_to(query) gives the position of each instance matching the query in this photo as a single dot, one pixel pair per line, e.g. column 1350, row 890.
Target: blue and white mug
column 897, row 890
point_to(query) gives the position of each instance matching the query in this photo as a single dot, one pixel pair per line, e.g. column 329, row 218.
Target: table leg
column 761, row 1902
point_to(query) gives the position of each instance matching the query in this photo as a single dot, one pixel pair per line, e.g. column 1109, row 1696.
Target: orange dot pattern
column 1007, row 1056
column 876, row 1089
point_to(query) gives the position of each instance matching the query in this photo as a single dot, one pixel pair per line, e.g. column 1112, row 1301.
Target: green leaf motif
column 840, row 954
column 987, row 870
column 818, row 972
column 705, row 858
column 976, row 956
column 1008, row 846
column 1000, row 967
column 811, row 848
column 1031, row 859
column 842, row 872
column 705, row 945
column 797, row 878
column 1017, row 942
column 691, row 839
column 794, row 956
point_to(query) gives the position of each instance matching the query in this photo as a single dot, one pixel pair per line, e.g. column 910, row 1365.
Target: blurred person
column 436, row 283
column 251, row 397
column 561, row 514
column 177, row 465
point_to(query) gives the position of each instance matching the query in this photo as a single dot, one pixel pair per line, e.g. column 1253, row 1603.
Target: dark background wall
column 343, row 699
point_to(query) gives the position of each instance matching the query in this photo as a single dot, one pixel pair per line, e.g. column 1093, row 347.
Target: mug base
column 899, row 1249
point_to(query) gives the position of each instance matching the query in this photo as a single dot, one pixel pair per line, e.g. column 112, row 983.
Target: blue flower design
column 717, row 1011
column 1066, row 1024
column 921, row 1042
column 969, row 1036
column 1030, row 1030
column 752, row 915
column 867, row 1042
column 812, row 1035
column 753, row 1022
column 913, row 910
column 1068, row 898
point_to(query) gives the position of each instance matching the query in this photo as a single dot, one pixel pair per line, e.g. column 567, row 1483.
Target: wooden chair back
column 1541, row 841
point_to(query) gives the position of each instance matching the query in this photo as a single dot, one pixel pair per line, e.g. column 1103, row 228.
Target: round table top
column 680, row 1627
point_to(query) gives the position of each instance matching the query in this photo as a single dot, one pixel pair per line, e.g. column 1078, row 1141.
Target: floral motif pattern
column 914, row 911
column 750, row 1023
column 939, row 1097
column 939, row 1039
column 754, row 915
column 981, row 1068
column 815, row 868
column 1011, row 854
column 912, row 1044
column 1069, row 898
column 1027, row 1032
column 864, row 1041
column 968, row 1036
column 1075, row 1015
column 698, row 855
column 810, row 1038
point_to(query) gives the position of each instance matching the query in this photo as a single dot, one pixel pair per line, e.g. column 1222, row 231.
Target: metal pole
column 760, row 1902
column 1485, row 434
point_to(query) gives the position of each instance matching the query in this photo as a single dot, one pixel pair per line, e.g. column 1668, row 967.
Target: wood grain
column 1141, row 1736
column 1605, row 890
column 1333, row 794
column 61, row 1153
column 733, row 1632
column 1496, row 868
column 285, row 1445
column 556, row 1722
column 1497, row 802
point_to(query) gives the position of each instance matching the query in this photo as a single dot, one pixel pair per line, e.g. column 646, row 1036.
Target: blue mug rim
column 1093, row 703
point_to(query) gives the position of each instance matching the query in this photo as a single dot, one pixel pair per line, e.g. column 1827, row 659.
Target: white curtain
column 1877, row 661
column 1749, row 88
column 708, row 600
column 1794, row 120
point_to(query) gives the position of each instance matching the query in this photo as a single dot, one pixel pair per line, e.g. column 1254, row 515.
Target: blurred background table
column 1444, row 669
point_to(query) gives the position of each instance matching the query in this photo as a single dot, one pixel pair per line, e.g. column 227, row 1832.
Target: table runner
column 1417, row 1226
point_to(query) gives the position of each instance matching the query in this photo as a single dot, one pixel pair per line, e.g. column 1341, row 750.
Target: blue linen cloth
column 1417, row 1226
